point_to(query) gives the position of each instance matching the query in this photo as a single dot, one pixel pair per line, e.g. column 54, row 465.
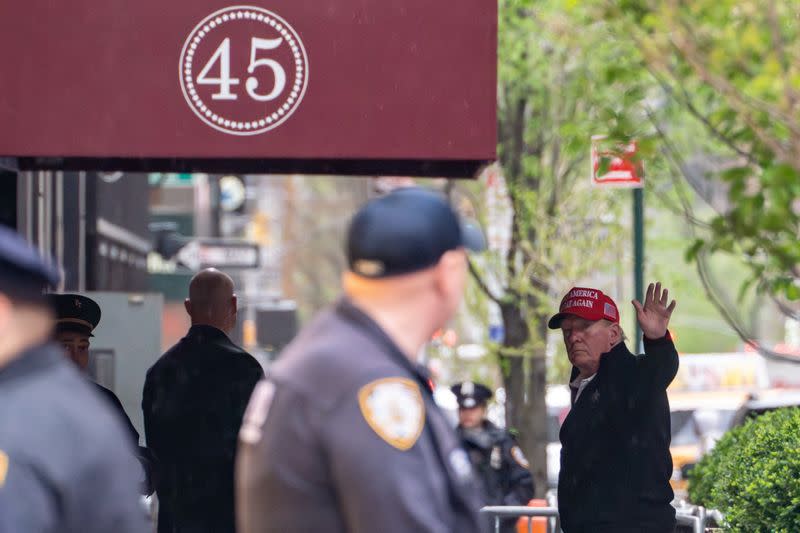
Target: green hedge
column 753, row 475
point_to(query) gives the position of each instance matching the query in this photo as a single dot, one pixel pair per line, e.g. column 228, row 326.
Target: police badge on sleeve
column 519, row 457
column 256, row 413
column 394, row 409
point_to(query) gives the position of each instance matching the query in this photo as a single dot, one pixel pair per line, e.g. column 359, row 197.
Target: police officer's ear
column 451, row 273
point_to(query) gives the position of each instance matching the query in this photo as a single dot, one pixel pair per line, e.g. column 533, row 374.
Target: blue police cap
column 469, row 394
column 405, row 231
column 24, row 273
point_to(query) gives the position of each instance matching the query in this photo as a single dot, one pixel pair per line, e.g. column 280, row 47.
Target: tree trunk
column 524, row 379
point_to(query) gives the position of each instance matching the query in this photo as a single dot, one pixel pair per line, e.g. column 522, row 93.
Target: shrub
column 753, row 475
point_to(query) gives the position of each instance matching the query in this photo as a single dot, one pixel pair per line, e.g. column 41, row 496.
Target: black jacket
column 193, row 402
column 501, row 467
column 500, row 464
column 143, row 455
column 615, row 460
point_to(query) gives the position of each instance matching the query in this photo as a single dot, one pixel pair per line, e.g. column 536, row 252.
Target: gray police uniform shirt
column 66, row 464
column 344, row 435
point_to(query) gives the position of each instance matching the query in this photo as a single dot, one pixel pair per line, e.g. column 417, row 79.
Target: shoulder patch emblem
column 519, row 457
column 394, row 409
column 3, row 467
column 256, row 413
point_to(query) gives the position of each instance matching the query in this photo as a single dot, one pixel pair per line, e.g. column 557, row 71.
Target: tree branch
column 688, row 102
column 731, row 320
column 481, row 283
column 785, row 309
column 737, row 100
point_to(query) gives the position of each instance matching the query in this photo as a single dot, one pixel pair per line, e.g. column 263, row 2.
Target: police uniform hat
column 75, row 313
column 469, row 394
column 405, row 231
column 24, row 273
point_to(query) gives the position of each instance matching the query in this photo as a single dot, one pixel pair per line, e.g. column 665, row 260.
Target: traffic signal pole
column 638, row 256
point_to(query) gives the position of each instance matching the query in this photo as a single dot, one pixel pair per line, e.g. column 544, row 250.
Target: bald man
column 193, row 401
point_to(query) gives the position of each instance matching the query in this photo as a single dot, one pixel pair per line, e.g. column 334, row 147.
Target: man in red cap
column 615, row 460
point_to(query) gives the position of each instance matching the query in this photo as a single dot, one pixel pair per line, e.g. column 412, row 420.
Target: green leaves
column 731, row 65
column 753, row 474
column 693, row 250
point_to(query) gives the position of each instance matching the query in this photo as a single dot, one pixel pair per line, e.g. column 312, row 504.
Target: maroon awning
column 329, row 86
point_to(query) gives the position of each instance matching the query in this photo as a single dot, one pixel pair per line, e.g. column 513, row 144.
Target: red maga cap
column 589, row 304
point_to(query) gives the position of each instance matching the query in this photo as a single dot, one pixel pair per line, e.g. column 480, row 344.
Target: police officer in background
column 65, row 463
column 496, row 457
column 76, row 318
column 344, row 435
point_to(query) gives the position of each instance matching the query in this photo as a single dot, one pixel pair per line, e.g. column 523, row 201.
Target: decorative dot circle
column 255, row 125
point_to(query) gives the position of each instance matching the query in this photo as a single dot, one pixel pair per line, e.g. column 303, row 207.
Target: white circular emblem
column 243, row 70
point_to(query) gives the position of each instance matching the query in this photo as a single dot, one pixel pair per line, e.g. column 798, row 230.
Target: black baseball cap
column 405, row 231
column 24, row 273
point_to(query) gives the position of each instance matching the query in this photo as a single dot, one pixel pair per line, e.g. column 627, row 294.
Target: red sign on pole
column 614, row 165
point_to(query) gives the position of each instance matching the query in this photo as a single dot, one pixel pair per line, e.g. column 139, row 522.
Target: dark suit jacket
column 114, row 402
column 193, row 402
column 615, row 460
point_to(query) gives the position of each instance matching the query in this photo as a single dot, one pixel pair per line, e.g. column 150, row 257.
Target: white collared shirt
column 579, row 384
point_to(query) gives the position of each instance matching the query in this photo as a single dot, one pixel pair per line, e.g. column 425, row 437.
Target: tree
column 318, row 210
column 552, row 96
column 733, row 66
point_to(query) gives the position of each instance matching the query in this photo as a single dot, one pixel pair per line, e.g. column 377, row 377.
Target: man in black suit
column 193, row 402
column 615, row 460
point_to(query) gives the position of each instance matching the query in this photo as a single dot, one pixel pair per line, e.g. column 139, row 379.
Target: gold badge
column 519, row 457
column 3, row 467
column 394, row 409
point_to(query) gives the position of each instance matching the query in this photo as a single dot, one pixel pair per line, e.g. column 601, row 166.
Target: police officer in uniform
column 76, row 318
column 344, row 435
column 496, row 457
column 66, row 464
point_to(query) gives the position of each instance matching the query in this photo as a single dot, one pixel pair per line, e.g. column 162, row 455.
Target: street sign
column 614, row 165
column 219, row 253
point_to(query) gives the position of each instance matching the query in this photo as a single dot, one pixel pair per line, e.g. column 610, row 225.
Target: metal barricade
column 696, row 517
column 509, row 511
column 695, row 522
